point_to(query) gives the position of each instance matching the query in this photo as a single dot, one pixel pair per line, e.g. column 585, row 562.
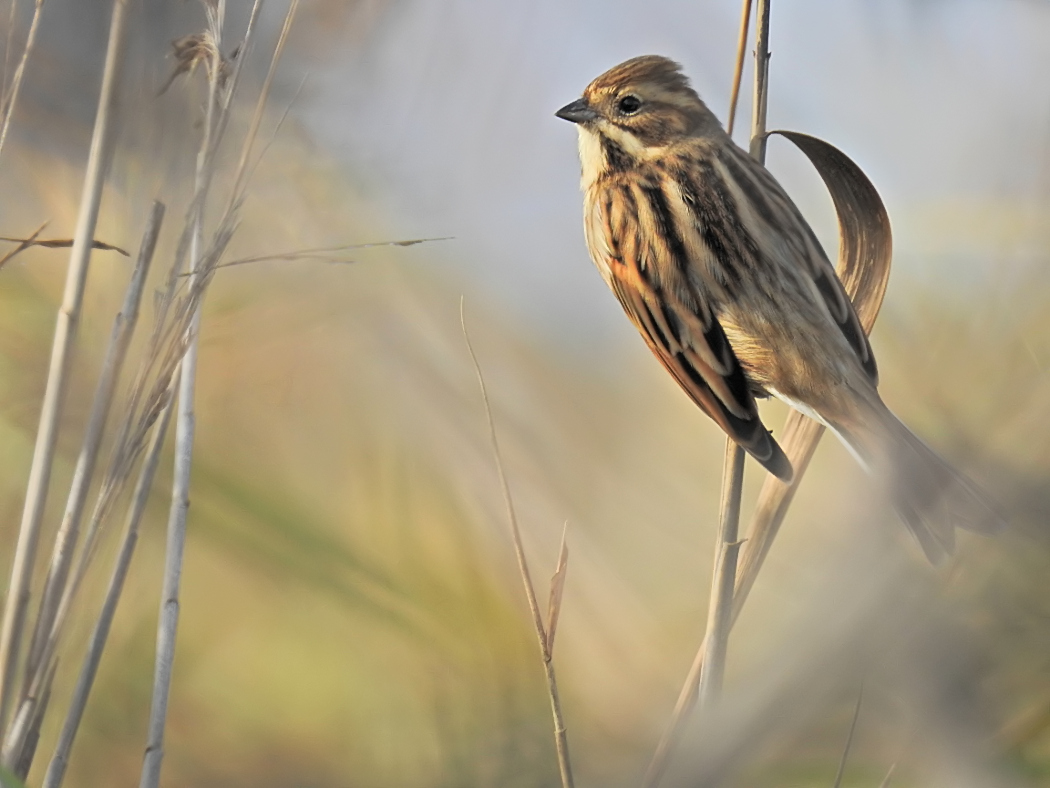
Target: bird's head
column 636, row 109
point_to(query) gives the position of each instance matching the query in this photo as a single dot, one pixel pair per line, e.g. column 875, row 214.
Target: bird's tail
column 930, row 496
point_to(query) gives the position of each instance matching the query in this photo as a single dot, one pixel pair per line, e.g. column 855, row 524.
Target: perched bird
column 731, row 290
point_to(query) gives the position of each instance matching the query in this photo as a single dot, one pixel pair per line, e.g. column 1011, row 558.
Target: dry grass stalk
column 719, row 620
column 39, row 662
column 546, row 639
column 761, row 100
column 52, row 243
column 889, row 776
column 738, row 69
column 222, row 88
column 704, row 679
column 327, row 254
column 209, row 51
column 17, row 602
column 112, row 366
column 57, row 767
column 148, row 398
column 10, row 96
column 23, row 244
column 849, row 738
column 723, row 577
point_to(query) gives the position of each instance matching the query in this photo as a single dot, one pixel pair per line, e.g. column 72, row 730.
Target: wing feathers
column 651, row 282
column 772, row 205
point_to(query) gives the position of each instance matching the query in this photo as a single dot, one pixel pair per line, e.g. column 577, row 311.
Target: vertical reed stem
column 10, row 97
column 185, row 424
column 546, row 640
column 720, row 611
column 69, row 530
column 723, row 580
column 738, row 69
column 758, row 117
column 40, row 661
column 56, row 769
column 99, row 159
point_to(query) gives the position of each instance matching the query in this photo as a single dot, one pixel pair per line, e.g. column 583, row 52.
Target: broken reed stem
column 168, row 618
column 10, row 97
column 99, row 159
column 41, row 654
column 561, row 740
column 56, row 769
column 738, row 69
column 723, row 579
column 721, row 613
column 112, row 365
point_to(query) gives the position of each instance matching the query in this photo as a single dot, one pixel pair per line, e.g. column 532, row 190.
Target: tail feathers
column 931, row 497
column 772, row 457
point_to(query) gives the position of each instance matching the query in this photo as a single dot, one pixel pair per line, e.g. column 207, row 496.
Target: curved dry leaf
column 865, row 239
column 865, row 252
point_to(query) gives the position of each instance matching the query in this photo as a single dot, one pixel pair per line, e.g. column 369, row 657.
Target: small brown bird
column 731, row 290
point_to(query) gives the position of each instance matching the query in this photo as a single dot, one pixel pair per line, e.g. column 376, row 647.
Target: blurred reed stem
column 168, row 619
column 112, row 366
column 761, row 101
column 56, row 769
column 546, row 641
column 849, row 738
column 59, row 589
column 99, row 159
column 201, row 267
column 10, row 97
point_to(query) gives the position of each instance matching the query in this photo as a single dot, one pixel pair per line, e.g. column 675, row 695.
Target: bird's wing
column 674, row 318
column 770, row 204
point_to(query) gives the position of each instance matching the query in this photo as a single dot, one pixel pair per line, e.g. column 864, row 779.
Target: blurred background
column 352, row 614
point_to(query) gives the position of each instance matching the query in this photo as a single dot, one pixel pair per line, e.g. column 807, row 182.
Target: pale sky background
column 443, row 113
column 447, row 115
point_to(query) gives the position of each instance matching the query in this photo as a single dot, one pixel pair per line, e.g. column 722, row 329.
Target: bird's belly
column 801, row 357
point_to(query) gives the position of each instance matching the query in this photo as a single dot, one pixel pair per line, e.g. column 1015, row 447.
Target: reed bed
column 341, row 603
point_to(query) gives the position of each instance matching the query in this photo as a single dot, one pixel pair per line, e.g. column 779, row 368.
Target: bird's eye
column 629, row 105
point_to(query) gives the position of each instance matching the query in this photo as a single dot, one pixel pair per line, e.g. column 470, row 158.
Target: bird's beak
column 577, row 112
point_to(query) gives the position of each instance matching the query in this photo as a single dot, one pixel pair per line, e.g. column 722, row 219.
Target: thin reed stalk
column 889, row 776
column 112, row 365
column 761, row 100
column 57, row 767
column 723, row 577
column 704, row 680
column 849, row 739
column 720, row 611
column 99, row 158
column 38, row 663
column 185, row 426
column 200, row 274
column 10, row 97
column 561, row 740
column 738, row 69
